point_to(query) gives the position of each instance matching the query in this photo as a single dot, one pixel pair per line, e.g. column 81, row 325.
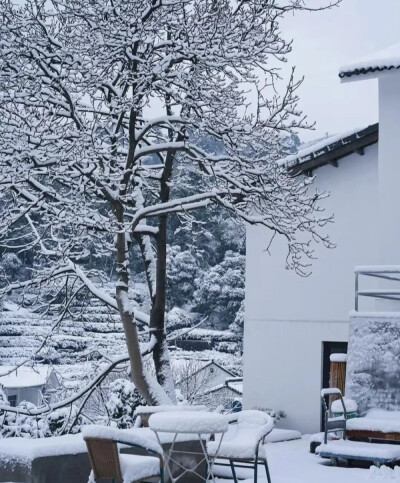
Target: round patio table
column 202, row 424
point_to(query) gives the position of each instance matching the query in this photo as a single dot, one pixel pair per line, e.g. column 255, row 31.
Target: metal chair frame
column 247, row 462
column 118, row 475
column 333, row 425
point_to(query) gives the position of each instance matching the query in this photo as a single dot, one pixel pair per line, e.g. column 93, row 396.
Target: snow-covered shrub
column 52, row 424
column 57, row 420
column 11, row 264
column 178, row 319
column 229, row 347
column 18, row 425
column 123, row 400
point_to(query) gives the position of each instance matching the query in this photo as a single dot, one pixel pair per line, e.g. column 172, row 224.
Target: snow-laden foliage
column 104, row 108
column 54, row 423
column 124, row 398
column 183, row 268
column 222, row 288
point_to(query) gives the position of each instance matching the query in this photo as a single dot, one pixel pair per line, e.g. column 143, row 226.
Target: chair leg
column 233, row 471
column 255, row 470
column 267, row 471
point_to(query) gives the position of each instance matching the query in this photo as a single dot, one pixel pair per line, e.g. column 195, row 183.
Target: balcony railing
column 387, row 272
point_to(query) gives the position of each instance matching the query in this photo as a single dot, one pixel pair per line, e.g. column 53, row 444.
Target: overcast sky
column 323, row 42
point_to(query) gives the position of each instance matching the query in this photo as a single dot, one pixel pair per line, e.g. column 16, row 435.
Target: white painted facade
column 288, row 317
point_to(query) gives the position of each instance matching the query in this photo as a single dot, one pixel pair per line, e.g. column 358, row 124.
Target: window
column 12, row 400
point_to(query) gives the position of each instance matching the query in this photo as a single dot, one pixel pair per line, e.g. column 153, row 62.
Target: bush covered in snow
column 124, row 398
column 54, row 423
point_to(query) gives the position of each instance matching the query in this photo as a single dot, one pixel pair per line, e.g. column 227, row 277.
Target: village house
column 195, row 377
column 293, row 324
column 32, row 384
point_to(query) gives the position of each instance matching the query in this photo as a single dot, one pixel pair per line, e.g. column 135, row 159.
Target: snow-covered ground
column 291, row 462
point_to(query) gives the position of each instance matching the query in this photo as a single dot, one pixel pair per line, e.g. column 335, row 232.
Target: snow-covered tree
column 221, row 289
column 104, row 107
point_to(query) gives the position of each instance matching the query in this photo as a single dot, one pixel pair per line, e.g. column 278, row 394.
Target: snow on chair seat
column 377, row 453
column 244, row 447
column 102, row 444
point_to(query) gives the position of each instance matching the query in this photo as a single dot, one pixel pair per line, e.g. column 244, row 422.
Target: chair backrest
column 104, row 457
column 252, row 418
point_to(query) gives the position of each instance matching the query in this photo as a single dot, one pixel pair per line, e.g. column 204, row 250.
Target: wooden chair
column 108, row 463
column 243, row 450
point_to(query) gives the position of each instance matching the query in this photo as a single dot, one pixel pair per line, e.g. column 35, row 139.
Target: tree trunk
column 138, row 375
column 157, row 316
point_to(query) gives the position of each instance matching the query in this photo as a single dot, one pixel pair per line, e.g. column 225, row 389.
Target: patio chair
column 108, row 463
column 333, row 424
column 245, row 449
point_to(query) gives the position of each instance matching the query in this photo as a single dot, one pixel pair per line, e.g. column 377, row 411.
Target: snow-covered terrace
column 330, row 149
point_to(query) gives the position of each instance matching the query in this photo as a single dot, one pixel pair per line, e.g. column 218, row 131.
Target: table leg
column 168, row 456
column 210, row 460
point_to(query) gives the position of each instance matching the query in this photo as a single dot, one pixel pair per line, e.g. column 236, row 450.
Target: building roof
column 198, row 365
column 382, row 60
column 24, row 376
column 330, row 149
column 234, row 384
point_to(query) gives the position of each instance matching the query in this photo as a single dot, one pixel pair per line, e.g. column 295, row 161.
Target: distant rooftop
column 24, row 376
column 330, row 149
column 382, row 60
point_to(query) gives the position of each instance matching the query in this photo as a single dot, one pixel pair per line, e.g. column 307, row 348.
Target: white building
column 33, row 384
column 292, row 324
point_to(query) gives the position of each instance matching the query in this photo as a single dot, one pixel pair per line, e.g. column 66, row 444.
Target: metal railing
column 387, row 272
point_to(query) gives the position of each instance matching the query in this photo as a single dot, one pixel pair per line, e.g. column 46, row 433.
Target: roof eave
column 367, row 73
column 332, row 156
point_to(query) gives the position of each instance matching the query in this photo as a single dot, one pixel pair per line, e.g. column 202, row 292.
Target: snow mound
column 350, row 405
column 384, row 473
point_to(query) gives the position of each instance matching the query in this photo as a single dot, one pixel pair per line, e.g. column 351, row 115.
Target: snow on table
column 189, row 422
column 387, row 452
column 167, row 408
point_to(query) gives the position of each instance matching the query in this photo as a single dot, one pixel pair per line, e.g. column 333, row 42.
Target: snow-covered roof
column 235, row 384
column 331, row 148
column 179, row 365
column 382, row 60
column 24, row 376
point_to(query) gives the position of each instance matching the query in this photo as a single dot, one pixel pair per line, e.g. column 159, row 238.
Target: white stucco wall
column 288, row 317
column 389, row 167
